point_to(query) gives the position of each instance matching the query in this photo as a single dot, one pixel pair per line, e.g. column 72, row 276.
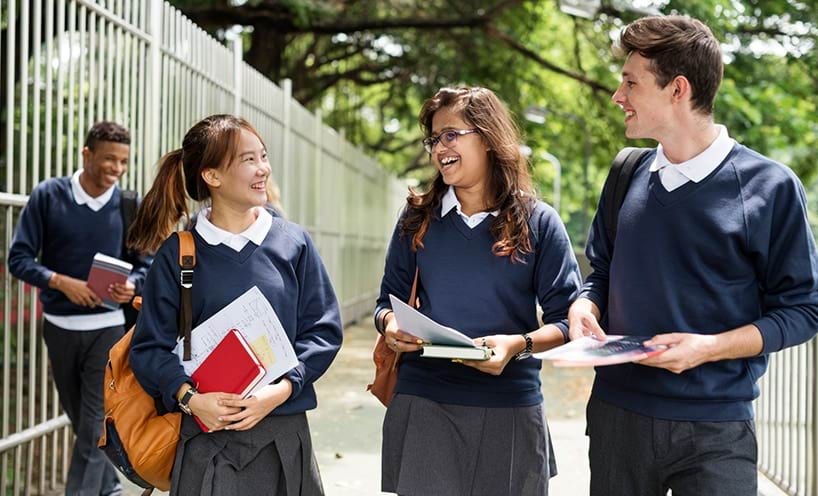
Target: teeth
column 448, row 160
column 629, row 113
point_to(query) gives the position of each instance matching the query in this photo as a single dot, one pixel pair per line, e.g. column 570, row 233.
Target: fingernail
column 420, row 341
column 221, row 419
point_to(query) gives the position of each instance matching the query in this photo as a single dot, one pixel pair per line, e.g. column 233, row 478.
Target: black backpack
column 128, row 205
column 617, row 183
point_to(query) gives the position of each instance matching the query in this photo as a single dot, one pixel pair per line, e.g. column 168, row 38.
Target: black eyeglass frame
column 432, row 141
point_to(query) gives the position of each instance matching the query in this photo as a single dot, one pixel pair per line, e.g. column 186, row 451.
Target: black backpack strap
column 187, row 261
column 128, row 204
column 617, row 183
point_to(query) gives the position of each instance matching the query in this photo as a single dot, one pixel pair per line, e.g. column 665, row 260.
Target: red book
column 105, row 271
column 232, row 367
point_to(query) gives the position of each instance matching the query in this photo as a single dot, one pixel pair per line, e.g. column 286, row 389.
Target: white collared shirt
column 83, row 198
column 674, row 176
column 450, row 201
column 215, row 235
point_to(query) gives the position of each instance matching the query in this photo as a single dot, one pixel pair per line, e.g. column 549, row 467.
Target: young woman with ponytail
column 261, row 444
column 486, row 252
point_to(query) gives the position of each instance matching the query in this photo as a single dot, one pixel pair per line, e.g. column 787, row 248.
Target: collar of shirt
column 698, row 167
column 215, row 235
column 83, row 198
column 450, row 201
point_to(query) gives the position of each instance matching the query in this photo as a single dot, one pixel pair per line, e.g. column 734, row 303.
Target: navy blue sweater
column 732, row 250
column 66, row 236
column 288, row 271
column 464, row 286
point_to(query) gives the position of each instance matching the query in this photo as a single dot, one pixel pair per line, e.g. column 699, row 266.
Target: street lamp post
column 557, row 178
column 538, row 115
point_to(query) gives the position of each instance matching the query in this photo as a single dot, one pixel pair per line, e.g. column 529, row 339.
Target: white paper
column 417, row 324
column 255, row 318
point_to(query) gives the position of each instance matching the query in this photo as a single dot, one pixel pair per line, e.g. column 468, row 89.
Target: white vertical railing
column 787, row 420
column 71, row 63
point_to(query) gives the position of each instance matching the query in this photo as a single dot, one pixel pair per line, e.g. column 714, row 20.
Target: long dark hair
column 509, row 186
column 211, row 143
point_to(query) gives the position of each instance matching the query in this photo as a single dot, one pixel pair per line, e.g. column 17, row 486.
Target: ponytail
column 164, row 205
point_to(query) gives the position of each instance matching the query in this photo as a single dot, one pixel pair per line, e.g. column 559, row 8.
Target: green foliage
column 370, row 64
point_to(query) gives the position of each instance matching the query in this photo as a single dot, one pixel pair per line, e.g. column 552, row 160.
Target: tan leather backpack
column 139, row 441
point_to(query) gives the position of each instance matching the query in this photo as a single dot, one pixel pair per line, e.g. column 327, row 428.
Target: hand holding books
column 231, row 367
column 108, row 279
column 438, row 341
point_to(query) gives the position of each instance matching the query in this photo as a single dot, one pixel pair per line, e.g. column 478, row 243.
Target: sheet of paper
column 255, row 318
column 417, row 324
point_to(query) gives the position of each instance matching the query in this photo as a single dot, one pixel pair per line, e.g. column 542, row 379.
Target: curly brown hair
column 510, row 189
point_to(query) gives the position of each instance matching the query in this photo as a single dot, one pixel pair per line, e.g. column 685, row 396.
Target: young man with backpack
column 66, row 221
column 711, row 255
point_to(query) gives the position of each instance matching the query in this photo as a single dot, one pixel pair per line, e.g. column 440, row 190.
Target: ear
column 211, row 177
column 680, row 89
column 86, row 155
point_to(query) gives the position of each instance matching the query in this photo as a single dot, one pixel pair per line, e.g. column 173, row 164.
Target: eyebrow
column 447, row 128
column 249, row 152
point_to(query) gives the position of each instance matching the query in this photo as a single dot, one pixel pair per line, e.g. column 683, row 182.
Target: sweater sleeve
column 786, row 265
column 557, row 276
column 155, row 365
column 28, row 241
column 599, row 251
column 319, row 330
column 398, row 271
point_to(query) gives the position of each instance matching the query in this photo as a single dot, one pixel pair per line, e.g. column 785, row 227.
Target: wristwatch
column 185, row 400
column 529, row 346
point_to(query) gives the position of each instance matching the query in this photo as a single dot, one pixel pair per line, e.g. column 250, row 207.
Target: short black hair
column 107, row 131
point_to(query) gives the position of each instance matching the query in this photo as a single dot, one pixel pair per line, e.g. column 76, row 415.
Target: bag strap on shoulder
column 617, row 183
column 128, row 204
column 187, row 261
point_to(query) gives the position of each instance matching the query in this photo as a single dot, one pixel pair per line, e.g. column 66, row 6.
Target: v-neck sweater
column 734, row 249
column 463, row 285
column 286, row 268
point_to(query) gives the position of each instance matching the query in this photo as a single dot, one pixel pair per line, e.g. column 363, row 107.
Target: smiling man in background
column 66, row 221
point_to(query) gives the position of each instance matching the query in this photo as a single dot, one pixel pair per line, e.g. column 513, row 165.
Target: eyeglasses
column 448, row 138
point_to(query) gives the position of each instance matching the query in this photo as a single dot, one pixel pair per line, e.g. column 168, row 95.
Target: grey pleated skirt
column 273, row 458
column 433, row 449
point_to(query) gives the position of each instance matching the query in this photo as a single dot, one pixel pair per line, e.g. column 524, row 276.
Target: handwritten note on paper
column 255, row 318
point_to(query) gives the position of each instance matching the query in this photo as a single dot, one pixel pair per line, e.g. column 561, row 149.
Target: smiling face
column 463, row 163
column 103, row 166
column 241, row 184
column 648, row 107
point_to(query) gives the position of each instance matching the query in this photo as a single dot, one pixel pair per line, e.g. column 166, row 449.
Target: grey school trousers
column 78, row 360
column 635, row 455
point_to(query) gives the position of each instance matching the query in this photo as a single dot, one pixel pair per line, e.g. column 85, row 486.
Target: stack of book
column 232, row 367
column 105, row 271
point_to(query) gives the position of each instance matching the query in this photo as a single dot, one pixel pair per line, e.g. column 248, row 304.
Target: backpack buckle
column 186, row 278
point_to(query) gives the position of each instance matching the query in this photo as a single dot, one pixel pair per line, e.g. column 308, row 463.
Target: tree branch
column 282, row 20
column 528, row 53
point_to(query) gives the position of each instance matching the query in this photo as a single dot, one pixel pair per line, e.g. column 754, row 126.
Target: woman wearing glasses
column 487, row 252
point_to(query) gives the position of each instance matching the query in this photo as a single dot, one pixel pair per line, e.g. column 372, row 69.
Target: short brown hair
column 677, row 46
column 107, row 131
